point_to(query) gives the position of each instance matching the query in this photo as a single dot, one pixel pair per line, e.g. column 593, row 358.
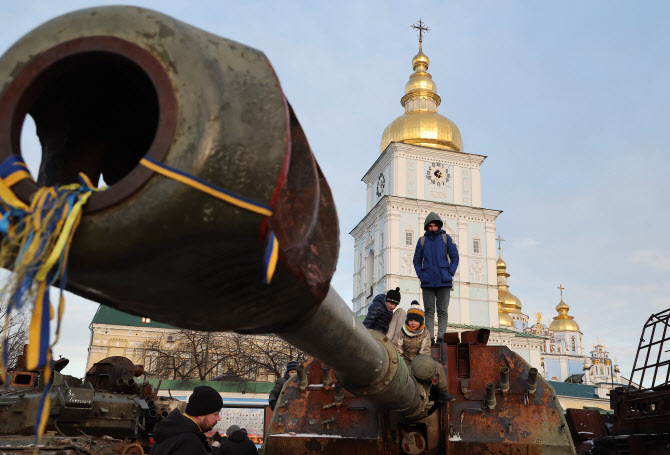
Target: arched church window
column 409, row 237
column 574, row 345
column 423, row 103
column 601, row 370
column 381, row 240
column 476, row 246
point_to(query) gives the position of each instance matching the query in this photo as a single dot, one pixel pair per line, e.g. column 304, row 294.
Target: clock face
column 438, row 174
column 381, row 182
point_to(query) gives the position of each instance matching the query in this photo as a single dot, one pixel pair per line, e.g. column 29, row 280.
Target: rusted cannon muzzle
column 107, row 86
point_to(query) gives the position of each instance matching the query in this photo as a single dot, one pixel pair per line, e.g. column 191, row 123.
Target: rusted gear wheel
column 132, row 449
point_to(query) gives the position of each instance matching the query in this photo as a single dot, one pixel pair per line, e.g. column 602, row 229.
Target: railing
column 654, row 348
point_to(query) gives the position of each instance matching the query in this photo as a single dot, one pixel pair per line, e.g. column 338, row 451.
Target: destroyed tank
column 114, row 88
column 113, row 409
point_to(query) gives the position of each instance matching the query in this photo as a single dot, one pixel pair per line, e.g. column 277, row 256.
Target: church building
column 422, row 167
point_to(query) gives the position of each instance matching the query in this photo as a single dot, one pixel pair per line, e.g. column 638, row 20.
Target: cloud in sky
column 576, row 141
column 654, row 259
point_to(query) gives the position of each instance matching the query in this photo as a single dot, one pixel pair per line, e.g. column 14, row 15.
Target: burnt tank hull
column 306, row 420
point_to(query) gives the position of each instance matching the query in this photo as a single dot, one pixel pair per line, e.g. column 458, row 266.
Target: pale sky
column 570, row 102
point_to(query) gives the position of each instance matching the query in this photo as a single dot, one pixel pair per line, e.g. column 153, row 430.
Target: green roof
column 111, row 316
column 567, row 389
column 494, row 329
column 219, row 386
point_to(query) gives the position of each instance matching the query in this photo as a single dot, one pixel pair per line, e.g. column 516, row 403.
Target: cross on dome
column 499, row 239
column 421, row 29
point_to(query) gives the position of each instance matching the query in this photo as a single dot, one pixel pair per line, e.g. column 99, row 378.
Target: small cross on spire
column 560, row 287
column 499, row 239
column 421, row 28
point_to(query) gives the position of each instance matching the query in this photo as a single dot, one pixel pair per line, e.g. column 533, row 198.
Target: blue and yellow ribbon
column 42, row 234
column 271, row 255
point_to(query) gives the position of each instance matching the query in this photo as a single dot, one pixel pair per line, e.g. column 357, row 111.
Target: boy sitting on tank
column 413, row 341
column 381, row 316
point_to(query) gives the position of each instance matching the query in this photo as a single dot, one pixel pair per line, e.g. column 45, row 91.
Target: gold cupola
column 563, row 322
column 421, row 124
column 510, row 302
column 504, row 319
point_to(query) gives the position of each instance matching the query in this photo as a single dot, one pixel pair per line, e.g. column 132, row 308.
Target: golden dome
column 511, row 303
column 421, row 124
column 563, row 322
column 504, row 319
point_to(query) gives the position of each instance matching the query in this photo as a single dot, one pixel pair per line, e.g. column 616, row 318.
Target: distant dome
column 511, row 303
column 563, row 322
column 421, row 124
column 504, row 319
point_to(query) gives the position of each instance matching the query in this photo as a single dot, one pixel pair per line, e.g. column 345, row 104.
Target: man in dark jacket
column 237, row 443
column 184, row 434
column 291, row 368
column 435, row 263
column 381, row 316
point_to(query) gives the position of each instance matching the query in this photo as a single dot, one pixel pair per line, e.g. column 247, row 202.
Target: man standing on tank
column 435, row 263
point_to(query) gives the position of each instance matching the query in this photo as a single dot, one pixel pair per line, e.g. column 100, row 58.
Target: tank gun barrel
column 365, row 362
column 260, row 259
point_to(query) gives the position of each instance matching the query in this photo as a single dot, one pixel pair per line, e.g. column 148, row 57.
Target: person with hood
column 435, row 263
column 414, row 341
column 291, row 368
column 237, row 443
column 382, row 315
column 184, row 434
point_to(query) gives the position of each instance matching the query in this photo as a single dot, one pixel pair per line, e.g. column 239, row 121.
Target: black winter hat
column 393, row 296
column 204, row 401
column 292, row 365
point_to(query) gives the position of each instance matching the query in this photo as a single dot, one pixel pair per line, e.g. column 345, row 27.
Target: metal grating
column 653, row 354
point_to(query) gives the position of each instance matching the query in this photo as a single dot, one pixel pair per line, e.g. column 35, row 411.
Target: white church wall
column 410, row 289
column 411, row 179
column 479, row 310
column 466, row 186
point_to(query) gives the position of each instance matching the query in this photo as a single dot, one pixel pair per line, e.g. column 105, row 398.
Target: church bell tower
column 423, row 168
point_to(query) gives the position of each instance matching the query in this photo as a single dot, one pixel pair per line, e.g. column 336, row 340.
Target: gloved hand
column 217, row 437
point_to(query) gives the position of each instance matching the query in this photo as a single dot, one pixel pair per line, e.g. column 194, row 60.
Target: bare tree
column 188, row 354
column 17, row 333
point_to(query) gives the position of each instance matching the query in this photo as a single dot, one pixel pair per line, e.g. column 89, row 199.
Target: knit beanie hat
column 292, row 365
column 393, row 296
column 415, row 313
column 204, row 401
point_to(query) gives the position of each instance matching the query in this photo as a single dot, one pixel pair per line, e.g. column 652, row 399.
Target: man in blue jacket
column 435, row 263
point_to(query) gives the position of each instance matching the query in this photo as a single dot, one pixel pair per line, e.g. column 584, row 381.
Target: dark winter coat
column 378, row 317
column 238, row 443
column 276, row 390
column 431, row 264
column 178, row 435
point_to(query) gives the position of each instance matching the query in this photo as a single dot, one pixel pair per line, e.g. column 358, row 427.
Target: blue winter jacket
column 378, row 317
column 431, row 263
